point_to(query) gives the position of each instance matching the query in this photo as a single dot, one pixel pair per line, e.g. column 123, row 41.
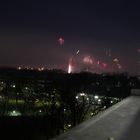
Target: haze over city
column 97, row 36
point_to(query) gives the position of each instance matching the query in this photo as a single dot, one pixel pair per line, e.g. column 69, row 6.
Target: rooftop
column 121, row 122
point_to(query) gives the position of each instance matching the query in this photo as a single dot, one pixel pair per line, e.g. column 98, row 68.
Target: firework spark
column 70, row 65
column 69, row 68
column 77, row 52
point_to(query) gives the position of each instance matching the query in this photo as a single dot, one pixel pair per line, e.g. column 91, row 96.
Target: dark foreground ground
column 121, row 121
column 25, row 128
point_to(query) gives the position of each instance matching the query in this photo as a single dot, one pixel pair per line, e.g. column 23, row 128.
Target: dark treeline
column 103, row 84
column 51, row 101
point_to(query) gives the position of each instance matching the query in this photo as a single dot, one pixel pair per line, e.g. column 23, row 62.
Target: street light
column 76, row 97
column 82, row 94
column 96, row 97
column 15, row 113
column 13, row 86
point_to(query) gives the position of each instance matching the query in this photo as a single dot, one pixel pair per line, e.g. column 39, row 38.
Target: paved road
column 121, row 121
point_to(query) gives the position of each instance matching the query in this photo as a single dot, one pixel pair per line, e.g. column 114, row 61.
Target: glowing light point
column 104, row 65
column 69, row 68
column 14, row 113
column 41, row 69
column 96, row 97
column 104, row 107
column 61, row 41
column 19, row 68
column 78, row 52
column 116, row 60
column 82, row 94
column 69, row 125
column 76, row 97
column 91, row 113
column 119, row 66
column 88, row 60
column 14, row 86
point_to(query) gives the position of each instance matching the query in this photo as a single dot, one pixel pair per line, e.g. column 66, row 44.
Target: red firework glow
column 61, row 41
column 104, row 65
column 88, row 60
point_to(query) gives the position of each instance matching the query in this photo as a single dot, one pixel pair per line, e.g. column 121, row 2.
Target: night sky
column 101, row 30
